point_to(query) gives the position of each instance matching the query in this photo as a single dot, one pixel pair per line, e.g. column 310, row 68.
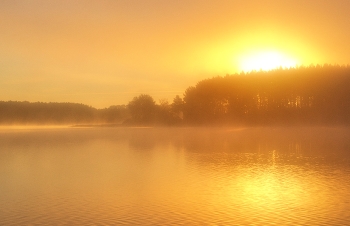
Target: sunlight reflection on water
column 188, row 176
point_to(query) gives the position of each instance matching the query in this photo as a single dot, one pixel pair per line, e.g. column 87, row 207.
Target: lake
column 175, row 176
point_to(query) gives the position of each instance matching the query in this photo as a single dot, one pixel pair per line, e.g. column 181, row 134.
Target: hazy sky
column 105, row 52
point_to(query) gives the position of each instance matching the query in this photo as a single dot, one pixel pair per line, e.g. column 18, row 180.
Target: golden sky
column 105, row 52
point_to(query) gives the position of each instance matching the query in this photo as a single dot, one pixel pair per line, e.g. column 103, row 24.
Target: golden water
column 175, row 176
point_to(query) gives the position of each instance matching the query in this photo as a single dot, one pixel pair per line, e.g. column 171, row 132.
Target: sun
column 265, row 60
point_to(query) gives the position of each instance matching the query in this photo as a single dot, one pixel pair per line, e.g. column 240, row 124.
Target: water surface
column 175, row 176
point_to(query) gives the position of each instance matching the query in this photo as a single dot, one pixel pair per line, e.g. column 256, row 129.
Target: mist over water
column 175, row 176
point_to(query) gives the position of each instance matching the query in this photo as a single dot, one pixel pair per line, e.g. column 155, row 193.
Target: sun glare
column 266, row 60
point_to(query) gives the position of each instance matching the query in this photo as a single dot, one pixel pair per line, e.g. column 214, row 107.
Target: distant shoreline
column 98, row 125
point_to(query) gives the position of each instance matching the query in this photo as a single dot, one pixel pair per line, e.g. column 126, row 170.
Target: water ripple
column 108, row 178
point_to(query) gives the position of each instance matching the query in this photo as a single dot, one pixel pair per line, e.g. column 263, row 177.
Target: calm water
column 176, row 176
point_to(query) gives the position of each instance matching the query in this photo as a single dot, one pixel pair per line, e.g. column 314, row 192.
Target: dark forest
column 315, row 95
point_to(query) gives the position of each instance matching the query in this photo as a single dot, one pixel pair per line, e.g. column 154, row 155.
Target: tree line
column 16, row 112
column 304, row 96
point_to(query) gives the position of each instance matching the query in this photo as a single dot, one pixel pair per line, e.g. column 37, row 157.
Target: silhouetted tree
column 306, row 95
column 163, row 115
column 177, row 108
column 142, row 109
column 113, row 114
